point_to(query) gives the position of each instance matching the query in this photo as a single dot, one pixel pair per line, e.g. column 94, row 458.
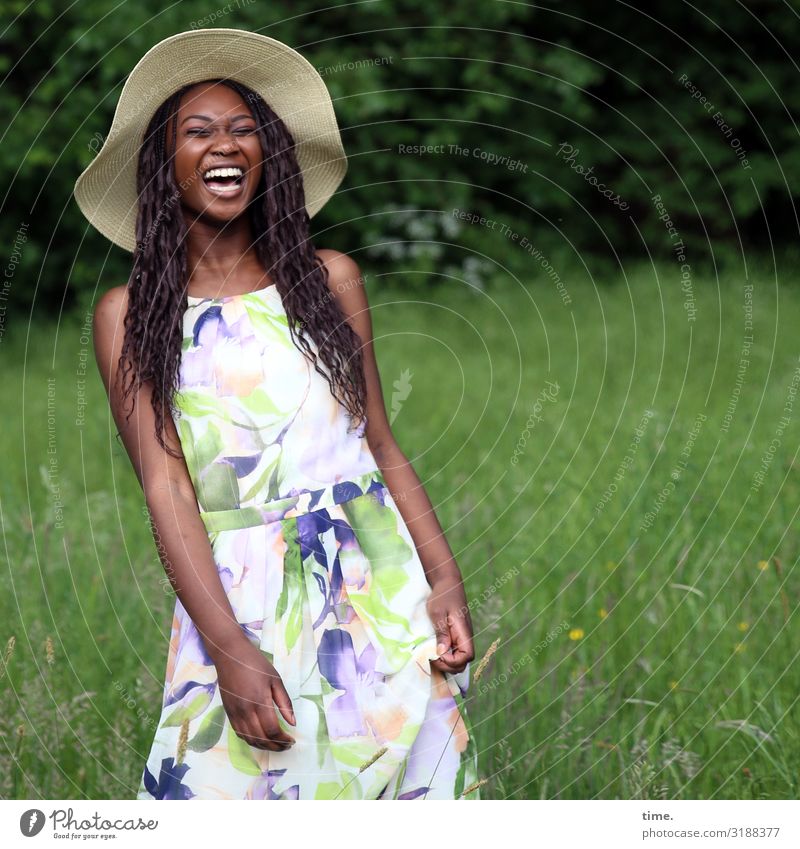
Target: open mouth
column 224, row 182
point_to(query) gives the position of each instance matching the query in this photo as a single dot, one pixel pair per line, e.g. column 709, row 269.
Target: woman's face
column 216, row 129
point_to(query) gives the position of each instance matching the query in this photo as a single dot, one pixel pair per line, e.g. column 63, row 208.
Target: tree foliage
column 528, row 114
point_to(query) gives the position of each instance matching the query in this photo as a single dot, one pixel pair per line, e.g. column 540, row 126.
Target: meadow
column 615, row 465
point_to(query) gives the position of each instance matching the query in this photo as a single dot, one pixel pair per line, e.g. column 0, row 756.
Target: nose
column 225, row 143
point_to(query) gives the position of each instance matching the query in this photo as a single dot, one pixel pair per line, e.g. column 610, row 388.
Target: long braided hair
column 157, row 286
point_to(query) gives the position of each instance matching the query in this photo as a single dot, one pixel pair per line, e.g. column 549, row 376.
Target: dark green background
column 510, row 79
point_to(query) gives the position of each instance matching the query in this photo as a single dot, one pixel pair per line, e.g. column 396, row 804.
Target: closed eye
column 198, row 130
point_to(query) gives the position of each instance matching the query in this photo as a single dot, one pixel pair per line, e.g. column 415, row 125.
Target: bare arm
column 407, row 489
column 247, row 680
column 448, row 607
column 185, row 549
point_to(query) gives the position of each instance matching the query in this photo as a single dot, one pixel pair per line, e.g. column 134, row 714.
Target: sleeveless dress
column 322, row 575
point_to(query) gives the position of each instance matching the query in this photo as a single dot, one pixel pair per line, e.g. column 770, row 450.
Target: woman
column 315, row 653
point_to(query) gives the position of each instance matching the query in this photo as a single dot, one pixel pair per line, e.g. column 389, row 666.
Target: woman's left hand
column 449, row 612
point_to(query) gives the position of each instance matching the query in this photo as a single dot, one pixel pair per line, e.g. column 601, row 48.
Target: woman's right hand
column 251, row 689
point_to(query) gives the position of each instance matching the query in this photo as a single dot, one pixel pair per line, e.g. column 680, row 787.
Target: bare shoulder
column 154, row 467
column 347, row 288
column 345, row 281
column 111, row 307
column 108, row 324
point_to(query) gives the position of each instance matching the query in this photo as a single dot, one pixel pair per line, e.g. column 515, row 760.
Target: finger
column 461, row 650
column 251, row 733
column 461, row 636
column 283, row 702
column 442, row 636
column 268, row 719
column 446, row 664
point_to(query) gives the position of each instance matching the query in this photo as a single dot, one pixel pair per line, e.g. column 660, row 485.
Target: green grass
column 632, row 662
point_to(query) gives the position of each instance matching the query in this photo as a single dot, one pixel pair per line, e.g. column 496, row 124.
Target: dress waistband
column 293, row 505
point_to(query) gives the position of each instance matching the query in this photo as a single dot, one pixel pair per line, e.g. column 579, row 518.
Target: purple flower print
column 346, row 490
column 242, row 466
column 378, row 491
column 169, row 784
column 310, row 528
column 226, row 577
column 413, row 794
column 206, row 327
column 338, row 663
column 197, row 363
column 187, row 691
column 264, row 787
column 426, row 757
column 192, row 649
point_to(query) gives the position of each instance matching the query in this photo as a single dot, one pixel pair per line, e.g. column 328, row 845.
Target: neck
column 218, row 256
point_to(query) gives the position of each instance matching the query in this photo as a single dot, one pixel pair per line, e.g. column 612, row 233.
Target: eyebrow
column 206, row 118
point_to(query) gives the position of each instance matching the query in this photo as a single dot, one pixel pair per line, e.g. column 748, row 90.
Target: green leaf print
column 375, row 527
column 323, row 734
column 408, row 735
column 325, row 686
column 201, row 451
column 189, row 711
column 371, row 610
column 289, row 610
column 323, row 738
column 269, row 468
column 184, row 432
column 219, row 487
column 209, row 732
column 261, row 402
column 267, row 324
column 351, row 789
column 401, row 774
column 196, row 404
column 352, row 753
column 241, row 754
column 273, row 491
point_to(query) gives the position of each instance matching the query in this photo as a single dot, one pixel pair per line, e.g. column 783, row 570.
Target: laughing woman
column 321, row 638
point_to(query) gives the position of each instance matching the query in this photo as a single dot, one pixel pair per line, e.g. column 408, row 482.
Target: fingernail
column 441, row 648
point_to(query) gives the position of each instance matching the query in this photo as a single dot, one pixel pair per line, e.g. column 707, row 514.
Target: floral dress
column 322, row 575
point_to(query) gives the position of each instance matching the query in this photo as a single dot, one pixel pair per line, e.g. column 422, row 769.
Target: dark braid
column 157, row 288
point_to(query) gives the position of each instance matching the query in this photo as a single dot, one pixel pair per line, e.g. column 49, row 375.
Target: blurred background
column 578, row 227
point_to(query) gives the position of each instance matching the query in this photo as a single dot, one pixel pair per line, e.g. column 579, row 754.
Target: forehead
column 214, row 100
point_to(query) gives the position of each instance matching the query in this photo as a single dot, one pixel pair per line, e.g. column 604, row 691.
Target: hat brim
column 106, row 190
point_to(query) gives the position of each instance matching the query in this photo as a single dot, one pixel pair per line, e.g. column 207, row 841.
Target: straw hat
column 106, row 190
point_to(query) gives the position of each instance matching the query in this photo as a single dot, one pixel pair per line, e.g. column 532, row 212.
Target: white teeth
column 222, row 172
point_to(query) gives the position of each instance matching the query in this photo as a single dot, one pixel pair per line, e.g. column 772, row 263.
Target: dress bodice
column 255, row 419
